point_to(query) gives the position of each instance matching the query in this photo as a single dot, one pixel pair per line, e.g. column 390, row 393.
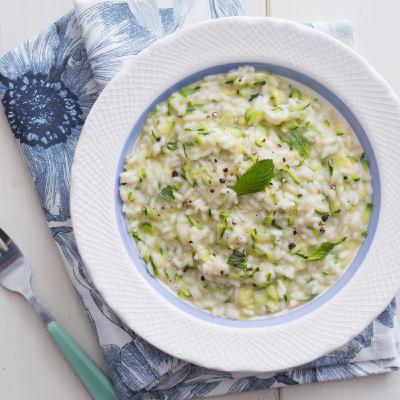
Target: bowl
column 276, row 342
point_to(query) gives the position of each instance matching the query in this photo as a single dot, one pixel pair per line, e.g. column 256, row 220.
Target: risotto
column 246, row 194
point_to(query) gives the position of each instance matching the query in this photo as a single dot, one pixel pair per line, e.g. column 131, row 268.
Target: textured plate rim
column 200, row 342
column 351, row 269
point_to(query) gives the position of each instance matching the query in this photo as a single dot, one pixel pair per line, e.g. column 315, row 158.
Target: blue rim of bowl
column 325, row 296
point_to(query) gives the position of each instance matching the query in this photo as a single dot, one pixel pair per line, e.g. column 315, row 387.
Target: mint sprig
column 256, row 178
column 299, row 142
column 238, row 259
column 323, row 250
column 167, row 193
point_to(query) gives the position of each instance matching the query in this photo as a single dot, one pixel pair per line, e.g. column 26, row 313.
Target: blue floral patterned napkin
column 48, row 86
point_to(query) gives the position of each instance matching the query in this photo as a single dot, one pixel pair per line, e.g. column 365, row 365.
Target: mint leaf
column 299, row 142
column 167, row 193
column 323, row 250
column 238, row 259
column 256, row 178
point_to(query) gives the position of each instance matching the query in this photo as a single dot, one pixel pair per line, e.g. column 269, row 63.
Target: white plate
column 306, row 333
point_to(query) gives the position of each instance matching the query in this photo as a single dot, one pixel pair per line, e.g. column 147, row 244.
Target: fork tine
column 9, row 252
column 8, row 249
column 5, row 238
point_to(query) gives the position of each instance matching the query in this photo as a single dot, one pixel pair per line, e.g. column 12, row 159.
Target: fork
column 15, row 275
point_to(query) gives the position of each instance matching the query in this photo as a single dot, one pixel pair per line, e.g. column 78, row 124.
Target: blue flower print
column 49, row 90
column 116, row 30
column 47, row 95
column 334, row 372
column 346, row 353
column 225, row 8
column 186, row 382
column 255, row 383
column 387, row 316
column 40, row 109
column 127, row 28
column 137, row 366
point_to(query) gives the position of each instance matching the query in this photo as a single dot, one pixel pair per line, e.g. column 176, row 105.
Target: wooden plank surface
column 376, row 27
column 30, row 365
column 376, row 31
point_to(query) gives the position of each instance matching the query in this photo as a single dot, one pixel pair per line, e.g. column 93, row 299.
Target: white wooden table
column 30, row 366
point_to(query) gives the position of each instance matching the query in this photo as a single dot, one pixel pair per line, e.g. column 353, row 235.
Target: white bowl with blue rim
column 149, row 308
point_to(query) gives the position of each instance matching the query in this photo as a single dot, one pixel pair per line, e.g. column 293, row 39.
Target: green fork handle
column 97, row 384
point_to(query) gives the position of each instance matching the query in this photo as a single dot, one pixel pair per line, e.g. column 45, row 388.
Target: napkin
column 47, row 87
